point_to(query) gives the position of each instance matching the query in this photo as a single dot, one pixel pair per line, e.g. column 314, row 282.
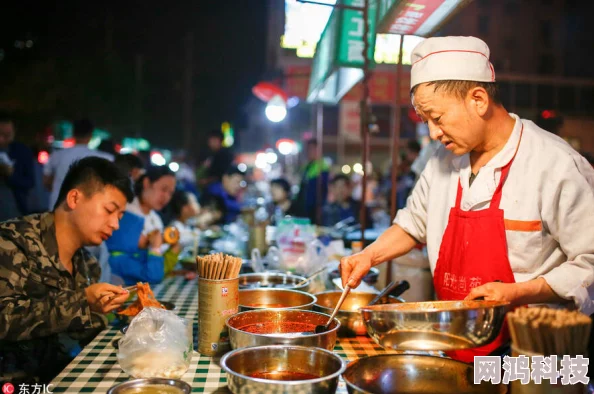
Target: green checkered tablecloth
column 96, row 368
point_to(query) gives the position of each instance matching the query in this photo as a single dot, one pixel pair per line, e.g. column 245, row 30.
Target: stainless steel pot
column 272, row 280
column 175, row 386
column 351, row 322
column 318, row 368
column 273, row 320
column 435, row 325
column 413, row 374
column 253, row 299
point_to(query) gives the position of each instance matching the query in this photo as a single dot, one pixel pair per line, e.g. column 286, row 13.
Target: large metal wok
column 435, row 325
column 413, row 374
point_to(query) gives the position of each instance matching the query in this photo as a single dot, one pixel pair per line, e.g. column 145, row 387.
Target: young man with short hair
column 48, row 282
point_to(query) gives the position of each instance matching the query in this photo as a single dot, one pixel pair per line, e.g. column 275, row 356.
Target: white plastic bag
column 157, row 344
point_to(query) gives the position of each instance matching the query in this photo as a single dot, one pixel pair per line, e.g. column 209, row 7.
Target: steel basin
column 273, row 360
column 132, row 386
column 252, row 299
column 272, row 280
column 349, row 315
column 273, row 318
column 435, row 325
column 413, row 374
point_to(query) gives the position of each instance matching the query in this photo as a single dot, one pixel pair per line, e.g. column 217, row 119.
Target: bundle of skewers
column 548, row 331
column 218, row 266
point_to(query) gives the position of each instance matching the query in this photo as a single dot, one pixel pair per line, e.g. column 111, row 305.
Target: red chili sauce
column 283, row 375
column 278, row 327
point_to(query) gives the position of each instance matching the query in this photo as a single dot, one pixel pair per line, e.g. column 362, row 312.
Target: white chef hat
column 451, row 58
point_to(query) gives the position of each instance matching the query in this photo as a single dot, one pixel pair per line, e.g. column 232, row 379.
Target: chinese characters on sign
column 573, row 369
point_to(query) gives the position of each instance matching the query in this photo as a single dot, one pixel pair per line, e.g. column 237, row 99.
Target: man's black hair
column 128, row 162
column 312, row 141
column 234, row 170
column 282, row 183
column 93, row 174
column 82, row 128
column 153, row 173
column 340, row 177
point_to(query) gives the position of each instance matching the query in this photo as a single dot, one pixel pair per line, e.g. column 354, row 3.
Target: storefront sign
column 414, row 17
column 339, row 59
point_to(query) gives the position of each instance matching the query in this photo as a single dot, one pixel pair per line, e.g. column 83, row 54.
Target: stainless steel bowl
column 272, row 280
column 413, row 374
column 351, row 322
column 252, row 299
column 273, row 319
column 282, row 362
column 134, row 386
column 436, row 325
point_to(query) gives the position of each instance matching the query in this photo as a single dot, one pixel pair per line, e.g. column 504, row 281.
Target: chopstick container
column 217, row 301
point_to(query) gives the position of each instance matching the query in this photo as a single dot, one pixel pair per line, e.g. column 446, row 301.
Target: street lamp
column 276, row 109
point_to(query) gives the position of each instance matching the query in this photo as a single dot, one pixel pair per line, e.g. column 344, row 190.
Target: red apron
column 474, row 252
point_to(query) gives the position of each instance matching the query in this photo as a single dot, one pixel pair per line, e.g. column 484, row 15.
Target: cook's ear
column 479, row 100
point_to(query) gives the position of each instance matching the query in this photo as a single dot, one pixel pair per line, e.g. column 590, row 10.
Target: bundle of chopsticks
column 218, row 266
column 548, row 331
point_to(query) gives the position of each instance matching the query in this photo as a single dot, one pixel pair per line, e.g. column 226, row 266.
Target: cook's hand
column 354, row 268
column 494, row 291
column 104, row 298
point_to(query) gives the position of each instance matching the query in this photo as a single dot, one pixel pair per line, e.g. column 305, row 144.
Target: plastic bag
column 292, row 237
column 314, row 258
column 157, row 344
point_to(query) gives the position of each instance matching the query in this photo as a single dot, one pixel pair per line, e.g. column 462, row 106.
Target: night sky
column 75, row 67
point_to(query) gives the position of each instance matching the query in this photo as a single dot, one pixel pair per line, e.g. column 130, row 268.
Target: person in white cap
column 506, row 208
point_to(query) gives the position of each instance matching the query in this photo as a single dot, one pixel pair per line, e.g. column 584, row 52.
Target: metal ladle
column 323, row 328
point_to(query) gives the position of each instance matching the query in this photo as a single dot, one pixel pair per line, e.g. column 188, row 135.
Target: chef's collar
column 503, row 156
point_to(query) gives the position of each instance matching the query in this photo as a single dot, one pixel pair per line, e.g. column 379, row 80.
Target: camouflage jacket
column 40, row 301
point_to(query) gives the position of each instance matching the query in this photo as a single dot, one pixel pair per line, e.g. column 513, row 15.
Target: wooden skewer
column 223, row 270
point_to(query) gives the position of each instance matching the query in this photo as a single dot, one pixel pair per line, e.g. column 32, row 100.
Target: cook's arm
column 409, row 228
column 568, row 215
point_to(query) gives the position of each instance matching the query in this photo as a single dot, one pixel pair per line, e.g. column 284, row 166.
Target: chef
column 506, row 208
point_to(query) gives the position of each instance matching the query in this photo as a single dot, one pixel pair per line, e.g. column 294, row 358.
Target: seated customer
column 344, row 206
column 48, row 281
column 136, row 249
column 182, row 207
column 280, row 191
column 228, row 190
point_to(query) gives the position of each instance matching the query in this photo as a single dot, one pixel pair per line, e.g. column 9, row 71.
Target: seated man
column 48, row 281
column 344, row 206
column 228, row 190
